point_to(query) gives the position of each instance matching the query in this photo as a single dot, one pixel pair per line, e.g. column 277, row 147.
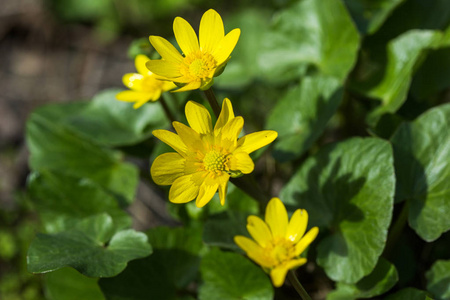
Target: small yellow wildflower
column 144, row 85
column 206, row 157
column 201, row 62
column 279, row 242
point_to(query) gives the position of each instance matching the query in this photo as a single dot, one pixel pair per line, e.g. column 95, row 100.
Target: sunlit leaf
column 347, row 189
column 92, row 247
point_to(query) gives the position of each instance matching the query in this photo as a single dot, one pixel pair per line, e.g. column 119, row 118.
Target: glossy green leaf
column 107, row 120
column 63, row 200
column 438, row 279
column 228, row 276
column 347, row 188
column 381, row 280
column 301, row 116
column 422, row 151
column 92, row 247
column 163, row 275
column 370, row 15
column 68, row 284
column 390, row 82
column 308, row 34
column 58, row 148
column 410, row 294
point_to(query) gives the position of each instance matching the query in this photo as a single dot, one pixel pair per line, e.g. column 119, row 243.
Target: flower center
column 214, row 161
column 198, row 65
column 279, row 251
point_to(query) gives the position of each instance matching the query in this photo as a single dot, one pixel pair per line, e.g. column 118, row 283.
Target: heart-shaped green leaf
column 92, row 247
column 347, row 188
column 422, row 165
column 381, row 280
column 228, row 276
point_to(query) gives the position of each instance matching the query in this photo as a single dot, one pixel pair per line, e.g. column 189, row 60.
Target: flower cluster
column 207, row 156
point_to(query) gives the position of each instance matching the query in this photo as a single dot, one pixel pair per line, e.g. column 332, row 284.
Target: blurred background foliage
column 336, row 69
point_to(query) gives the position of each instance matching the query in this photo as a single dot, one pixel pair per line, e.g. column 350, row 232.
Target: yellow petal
column 171, row 139
column 211, row 30
column 198, row 117
column 185, row 188
column 252, row 249
column 164, row 68
column 140, row 103
column 223, row 186
column 133, row 80
column 297, row 225
column 278, row 274
column 223, row 50
column 156, row 95
column 133, row 96
column 241, row 161
column 306, row 240
column 226, row 114
column 165, row 49
column 207, row 191
column 232, row 129
column 256, row 140
column 167, row 167
column 185, row 35
column 189, row 136
column 259, row 230
column 139, row 63
column 188, row 87
column 168, row 85
column 276, row 217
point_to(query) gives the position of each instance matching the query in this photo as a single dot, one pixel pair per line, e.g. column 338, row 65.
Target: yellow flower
column 200, row 62
column 144, row 85
column 279, row 242
column 205, row 158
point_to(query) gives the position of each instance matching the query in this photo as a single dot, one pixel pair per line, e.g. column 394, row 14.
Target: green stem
column 397, row 229
column 212, row 101
column 298, row 286
column 166, row 109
